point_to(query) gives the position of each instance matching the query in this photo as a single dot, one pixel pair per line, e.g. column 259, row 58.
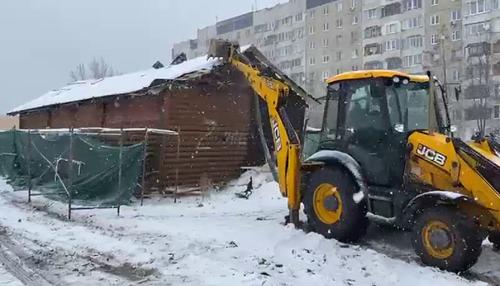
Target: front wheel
column 443, row 238
column 330, row 206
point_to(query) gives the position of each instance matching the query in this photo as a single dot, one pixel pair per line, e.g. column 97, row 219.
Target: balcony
column 477, row 91
column 478, row 49
column 372, row 49
column 478, row 112
column 372, row 32
column 374, row 65
column 394, row 63
column 391, row 9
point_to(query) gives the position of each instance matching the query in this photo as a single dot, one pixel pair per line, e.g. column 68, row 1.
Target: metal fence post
column 120, row 168
column 146, row 139
column 70, row 171
column 178, row 155
column 28, row 159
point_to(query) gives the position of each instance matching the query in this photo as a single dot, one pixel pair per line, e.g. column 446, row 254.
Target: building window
column 455, row 15
column 326, row 26
column 434, row 39
column 434, row 19
column 312, row 45
column 434, row 2
column 326, row 10
column 477, row 7
column 372, row 13
column 326, row 59
column 392, row 45
column 353, row 4
column 476, row 29
column 355, row 20
column 496, row 111
column 455, row 75
column 312, row 61
column 355, row 53
column 339, row 7
column 312, row 13
column 372, row 32
column 411, row 4
column 311, row 30
column 325, row 43
column 339, row 56
column 416, row 41
column 455, row 36
column 326, row 75
column 339, row 23
column 409, row 61
column 412, row 23
column 299, row 17
column 391, row 28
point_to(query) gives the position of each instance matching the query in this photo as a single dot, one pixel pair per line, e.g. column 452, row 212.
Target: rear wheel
column 443, row 239
column 330, row 206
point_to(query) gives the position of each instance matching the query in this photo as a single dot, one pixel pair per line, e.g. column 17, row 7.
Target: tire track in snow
column 11, row 258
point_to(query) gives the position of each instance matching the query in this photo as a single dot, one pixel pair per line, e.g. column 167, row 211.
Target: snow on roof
column 132, row 82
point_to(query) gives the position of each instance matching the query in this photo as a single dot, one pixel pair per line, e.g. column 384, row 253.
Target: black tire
column 353, row 222
column 465, row 236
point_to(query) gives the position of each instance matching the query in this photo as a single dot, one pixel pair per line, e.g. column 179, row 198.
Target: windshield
column 376, row 104
column 408, row 105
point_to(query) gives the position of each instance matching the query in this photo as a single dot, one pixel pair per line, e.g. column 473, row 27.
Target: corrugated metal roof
column 127, row 83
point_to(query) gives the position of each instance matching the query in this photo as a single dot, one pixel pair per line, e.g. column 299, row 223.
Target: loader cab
column 370, row 114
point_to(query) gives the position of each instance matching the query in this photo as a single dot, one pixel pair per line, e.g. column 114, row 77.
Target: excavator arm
column 275, row 89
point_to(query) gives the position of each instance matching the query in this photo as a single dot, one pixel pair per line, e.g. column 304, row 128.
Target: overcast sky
column 41, row 41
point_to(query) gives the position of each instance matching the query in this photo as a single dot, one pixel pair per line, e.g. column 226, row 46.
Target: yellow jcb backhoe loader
column 387, row 155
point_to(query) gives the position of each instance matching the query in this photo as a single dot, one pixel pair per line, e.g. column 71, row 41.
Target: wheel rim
column 327, row 203
column 438, row 239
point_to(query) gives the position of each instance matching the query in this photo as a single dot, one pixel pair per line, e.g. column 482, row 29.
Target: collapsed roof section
column 135, row 82
column 116, row 85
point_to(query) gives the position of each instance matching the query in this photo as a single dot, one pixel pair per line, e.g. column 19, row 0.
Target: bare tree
column 79, row 73
column 481, row 87
column 96, row 69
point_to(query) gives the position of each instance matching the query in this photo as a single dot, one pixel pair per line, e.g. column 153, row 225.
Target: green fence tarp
column 92, row 178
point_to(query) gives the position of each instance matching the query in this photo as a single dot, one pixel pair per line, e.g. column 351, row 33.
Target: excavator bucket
column 221, row 49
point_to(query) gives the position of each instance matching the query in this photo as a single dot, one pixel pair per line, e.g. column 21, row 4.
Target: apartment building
column 204, row 36
column 311, row 40
column 279, row 34
column 443, row 54
column 480, row 104
column 188, row 47
column 393, row 35
column 443, row 40
column 239, row 28
column 334, row 41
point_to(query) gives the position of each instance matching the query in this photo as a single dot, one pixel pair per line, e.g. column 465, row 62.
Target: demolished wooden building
column 210, row 103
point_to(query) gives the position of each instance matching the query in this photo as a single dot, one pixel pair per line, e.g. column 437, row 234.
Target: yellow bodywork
column 375, row 74
column 456, row 174
column 287, row 154
column 433, row 161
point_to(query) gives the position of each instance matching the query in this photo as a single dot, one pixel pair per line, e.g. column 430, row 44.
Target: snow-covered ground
column 7, row 279
column 214, row 240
